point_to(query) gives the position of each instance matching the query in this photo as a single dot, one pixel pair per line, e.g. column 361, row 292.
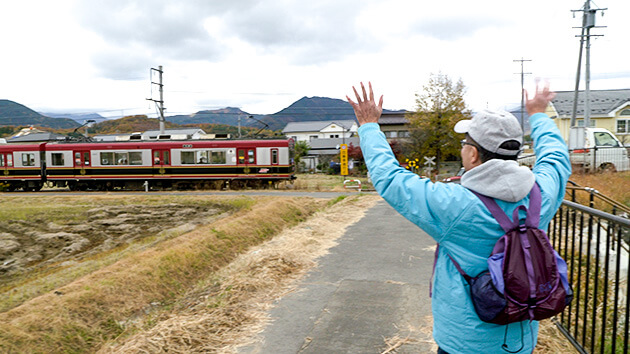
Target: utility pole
column 522, row 92
column 588, row 22
column 159, row 103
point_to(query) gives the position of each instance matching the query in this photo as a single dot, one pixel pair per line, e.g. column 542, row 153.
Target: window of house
column 334, row 136
column 625, row 112
column 580, row 123
column 623, row 125
column 56, row 159
column 403, row 134
column 311, row 137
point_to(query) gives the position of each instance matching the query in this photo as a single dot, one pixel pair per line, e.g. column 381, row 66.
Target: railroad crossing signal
column 343, row 159
column 429, row 163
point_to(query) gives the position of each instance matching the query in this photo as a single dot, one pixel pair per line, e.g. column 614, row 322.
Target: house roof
column 393, row 118
column 329, row 146
column 36, row 137
column 315, row 126
column 602, row 102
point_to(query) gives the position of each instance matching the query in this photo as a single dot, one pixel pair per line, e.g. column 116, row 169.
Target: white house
column 308, row 131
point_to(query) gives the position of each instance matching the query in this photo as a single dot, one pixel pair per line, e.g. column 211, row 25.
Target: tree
column 439, row 107
column 301, row 149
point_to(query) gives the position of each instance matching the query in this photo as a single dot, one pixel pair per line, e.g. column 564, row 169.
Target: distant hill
column 129, row 124
column 227, row 116
column 77, row 117
column 15, row 114
column 302, row 110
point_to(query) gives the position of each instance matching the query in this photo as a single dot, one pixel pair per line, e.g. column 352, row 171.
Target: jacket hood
column 500, row 179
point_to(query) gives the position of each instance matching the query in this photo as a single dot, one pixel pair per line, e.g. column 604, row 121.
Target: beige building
column 610, row 109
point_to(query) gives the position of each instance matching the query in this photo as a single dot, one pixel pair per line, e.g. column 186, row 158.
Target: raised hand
column 366, row 110
column 541, row 100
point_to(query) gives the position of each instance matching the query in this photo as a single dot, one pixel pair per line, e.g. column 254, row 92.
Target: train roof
column 191, row 143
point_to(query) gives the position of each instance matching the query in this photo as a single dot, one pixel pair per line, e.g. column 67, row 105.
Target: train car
column 171, row 164
column 22, row 166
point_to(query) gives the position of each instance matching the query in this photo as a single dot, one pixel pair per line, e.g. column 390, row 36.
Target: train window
column 241, row 156
column 250, row 156
column 1, row 159
column 107, row 158
column 121, row 158
column 135, row 158
column 57, row 159
column 9, row 160
column 86, row 158
column 218, row 158
column 77, row 158
column 202, row 157
column 28, row 159
column 188, row 157
column 167, row 159
column 274, row 157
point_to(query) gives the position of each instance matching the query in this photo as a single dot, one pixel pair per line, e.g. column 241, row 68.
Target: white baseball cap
column 490, row 129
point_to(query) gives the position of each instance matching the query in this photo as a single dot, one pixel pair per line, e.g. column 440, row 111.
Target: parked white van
column 597, row 149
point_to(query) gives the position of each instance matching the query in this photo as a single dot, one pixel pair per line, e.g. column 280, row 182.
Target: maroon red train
column 180, row 164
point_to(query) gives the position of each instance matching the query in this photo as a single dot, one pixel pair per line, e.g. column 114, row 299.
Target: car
column 456, row 178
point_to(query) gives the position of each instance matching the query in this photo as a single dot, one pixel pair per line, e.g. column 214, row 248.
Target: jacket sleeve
column 422, row 202
column 553, row 166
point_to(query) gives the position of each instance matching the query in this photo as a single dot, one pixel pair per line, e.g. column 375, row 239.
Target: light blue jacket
column 453, row 216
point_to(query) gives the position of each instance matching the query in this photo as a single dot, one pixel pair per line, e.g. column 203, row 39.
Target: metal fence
column 600, row 158
column 595, row 246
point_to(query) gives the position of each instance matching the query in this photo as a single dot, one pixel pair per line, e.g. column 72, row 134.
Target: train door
column 246, row 157
column 82, row 162
column 6, row 161
column 161, row 160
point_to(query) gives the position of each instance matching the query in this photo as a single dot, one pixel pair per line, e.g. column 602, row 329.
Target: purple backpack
column 526, row 278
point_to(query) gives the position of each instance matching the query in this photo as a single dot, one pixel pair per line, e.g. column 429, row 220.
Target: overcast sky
column 261, row 56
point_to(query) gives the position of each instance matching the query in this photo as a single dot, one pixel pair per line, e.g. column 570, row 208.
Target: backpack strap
column 533, row 212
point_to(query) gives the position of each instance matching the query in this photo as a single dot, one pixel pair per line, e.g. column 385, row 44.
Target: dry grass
column 107, row 304
column 614, row 185
column 227, row 310
column 551, row 340
column 322, row 182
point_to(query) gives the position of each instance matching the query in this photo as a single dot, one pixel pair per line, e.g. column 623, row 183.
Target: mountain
column 77, row 117
column 302, row 110
column 228, row 116
column 12, row 113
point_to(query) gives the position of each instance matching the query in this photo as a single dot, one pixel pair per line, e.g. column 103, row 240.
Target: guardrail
column 595, row 246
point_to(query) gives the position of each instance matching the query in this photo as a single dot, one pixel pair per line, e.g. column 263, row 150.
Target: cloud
column 454, row 28
column 301, row 32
